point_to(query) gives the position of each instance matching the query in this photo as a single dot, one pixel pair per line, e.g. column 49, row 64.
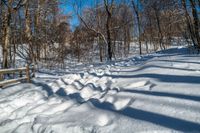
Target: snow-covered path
column 154, row 93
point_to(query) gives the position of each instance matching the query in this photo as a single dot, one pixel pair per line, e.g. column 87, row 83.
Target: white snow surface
column 159, row 92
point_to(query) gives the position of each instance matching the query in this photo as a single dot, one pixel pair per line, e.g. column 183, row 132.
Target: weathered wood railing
column 29, row 73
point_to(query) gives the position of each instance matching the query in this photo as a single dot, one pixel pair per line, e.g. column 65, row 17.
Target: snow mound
column 131, row 95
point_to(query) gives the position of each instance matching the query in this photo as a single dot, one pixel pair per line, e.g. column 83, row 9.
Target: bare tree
column 7, row 25
column 109, row 8
column 136, row 10
column 196, row 22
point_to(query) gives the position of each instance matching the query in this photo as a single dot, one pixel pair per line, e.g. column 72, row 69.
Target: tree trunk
column 108, row 24
column 28, row 33
column 7, row 38
column 109, row 36
column 189, row 24
column 160, row 31
column 37, row 27
column 196, row 23
column 100, row 50
column 138, row 24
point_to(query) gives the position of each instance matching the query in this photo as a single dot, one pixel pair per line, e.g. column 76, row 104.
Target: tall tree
column 136, row 10
column 196, row 22
column 109, row 7
column 7, row 27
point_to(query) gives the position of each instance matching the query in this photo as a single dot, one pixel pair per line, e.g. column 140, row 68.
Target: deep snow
column 159, row 92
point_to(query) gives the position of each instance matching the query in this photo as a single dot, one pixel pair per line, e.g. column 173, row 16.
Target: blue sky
column 67, row 8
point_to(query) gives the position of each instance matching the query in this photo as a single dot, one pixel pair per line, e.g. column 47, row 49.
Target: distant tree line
column 38, row 32
column 114, row 24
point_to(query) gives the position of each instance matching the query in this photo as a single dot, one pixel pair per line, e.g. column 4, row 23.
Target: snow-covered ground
column 154, row 93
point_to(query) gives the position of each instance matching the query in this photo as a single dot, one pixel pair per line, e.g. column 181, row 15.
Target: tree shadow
column 158, row 119
column 45, row 87
column 191, row 55
column 175, row 51
column 180, row 61
column 161, row 77
column 164, row 94
column 167, row 103
column 155, row 66
column 75, row 96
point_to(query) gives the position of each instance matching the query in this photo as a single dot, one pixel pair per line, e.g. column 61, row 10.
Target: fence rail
column 28, row 70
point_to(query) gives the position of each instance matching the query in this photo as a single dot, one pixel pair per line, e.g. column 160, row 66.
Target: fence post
column 20, row 74
column 28, row 74
column 1, row 77
column 34, row 69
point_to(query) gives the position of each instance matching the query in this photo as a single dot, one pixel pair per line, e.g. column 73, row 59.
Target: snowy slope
column 154, row 93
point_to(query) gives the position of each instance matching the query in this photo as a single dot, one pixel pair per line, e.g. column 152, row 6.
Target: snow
column 152, row 93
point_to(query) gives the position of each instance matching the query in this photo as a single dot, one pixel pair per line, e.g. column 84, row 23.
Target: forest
column 39, row 32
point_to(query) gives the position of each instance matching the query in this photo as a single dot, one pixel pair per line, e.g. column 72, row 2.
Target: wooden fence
column 24, row 73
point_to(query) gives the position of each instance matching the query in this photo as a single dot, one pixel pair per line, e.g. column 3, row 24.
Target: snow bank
column 154, row 93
